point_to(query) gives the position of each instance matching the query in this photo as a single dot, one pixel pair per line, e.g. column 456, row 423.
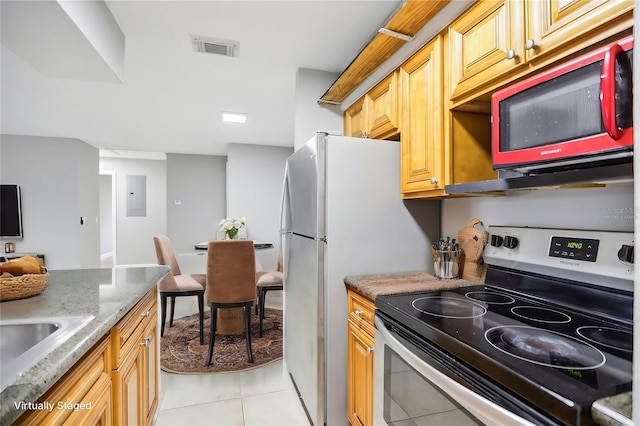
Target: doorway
column 107, row 219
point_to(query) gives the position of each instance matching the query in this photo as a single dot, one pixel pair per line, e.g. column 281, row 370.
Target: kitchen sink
column 24, row 342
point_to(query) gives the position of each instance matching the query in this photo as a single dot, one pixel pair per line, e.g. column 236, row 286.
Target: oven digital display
column 574, row 248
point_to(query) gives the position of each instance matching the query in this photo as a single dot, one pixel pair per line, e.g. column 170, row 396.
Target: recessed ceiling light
column 234, row 117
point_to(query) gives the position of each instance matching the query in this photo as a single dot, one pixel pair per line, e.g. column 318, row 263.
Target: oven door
column 412, row 386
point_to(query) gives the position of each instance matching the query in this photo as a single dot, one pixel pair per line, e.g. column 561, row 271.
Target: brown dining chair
column 267, row 281
column 231, row 283
column 175, row 284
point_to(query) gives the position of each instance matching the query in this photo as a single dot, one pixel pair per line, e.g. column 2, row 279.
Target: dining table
column 258, row 245
column 231, row 321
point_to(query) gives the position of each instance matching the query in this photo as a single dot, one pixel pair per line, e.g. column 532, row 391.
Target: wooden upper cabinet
column 376, row 114
column 484, row 44
column 382, row 108
column 354, row 120
column 422, row 147
column 496, row 42
column 553, row 23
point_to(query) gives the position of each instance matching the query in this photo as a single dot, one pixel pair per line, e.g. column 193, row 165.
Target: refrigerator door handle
column 285, row 204
column 285, row 212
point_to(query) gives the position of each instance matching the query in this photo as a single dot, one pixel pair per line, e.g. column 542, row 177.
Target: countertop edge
column 56, row 364
column 614, row 410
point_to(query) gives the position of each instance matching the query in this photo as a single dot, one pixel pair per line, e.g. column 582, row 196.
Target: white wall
column 134, row 237
column 199, row 183
column 59, row 183
column 255, row 176
column 310, row 116
column 607, row 209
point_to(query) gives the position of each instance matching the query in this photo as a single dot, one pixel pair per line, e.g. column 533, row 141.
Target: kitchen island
column 106, row 294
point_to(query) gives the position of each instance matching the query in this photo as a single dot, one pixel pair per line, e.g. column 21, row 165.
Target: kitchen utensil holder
column 445, row 264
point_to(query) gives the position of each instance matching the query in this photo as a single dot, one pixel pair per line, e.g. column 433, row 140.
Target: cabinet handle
column 433, row 181
column 511, row 54
column 358, row 313
column 530, row 44
column 369, row 350
column 146, row 314
column 147, row 342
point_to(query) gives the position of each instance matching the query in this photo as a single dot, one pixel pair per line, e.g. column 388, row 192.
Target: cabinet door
column 485, row 43
column 552, row 24
column 382, row 108
column 355, row 120
column 151, row 357
column 101, row 411
column 421, row 143
column 360, row 377
column 128, row 384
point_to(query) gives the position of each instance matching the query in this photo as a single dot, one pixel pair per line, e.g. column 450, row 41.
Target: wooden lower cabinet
column 101, row 412
column 151, row 370
column 135, row 374
column 82, row 396
column 360, row 347
column 115, row 382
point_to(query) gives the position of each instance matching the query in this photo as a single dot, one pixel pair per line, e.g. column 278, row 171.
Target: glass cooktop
column 533, row 347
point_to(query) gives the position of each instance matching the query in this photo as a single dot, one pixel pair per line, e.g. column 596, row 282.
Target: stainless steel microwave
column 574, row 115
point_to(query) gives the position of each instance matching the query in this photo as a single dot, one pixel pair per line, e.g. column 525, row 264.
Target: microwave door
column 579, row 110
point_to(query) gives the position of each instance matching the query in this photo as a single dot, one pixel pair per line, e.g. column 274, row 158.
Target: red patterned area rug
column 182, row 353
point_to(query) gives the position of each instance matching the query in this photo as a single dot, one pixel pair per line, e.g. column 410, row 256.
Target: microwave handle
column 608, row 91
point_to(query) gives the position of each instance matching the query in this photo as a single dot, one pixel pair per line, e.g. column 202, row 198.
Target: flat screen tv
column 10, row 212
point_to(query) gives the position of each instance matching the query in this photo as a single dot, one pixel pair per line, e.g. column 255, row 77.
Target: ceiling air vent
column 215, row 46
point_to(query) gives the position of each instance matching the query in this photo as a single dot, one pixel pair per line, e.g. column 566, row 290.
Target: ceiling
column 171, row 97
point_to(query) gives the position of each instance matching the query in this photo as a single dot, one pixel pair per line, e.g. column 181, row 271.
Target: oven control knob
column 496, row 240
column 625, row 253
column 510, row 242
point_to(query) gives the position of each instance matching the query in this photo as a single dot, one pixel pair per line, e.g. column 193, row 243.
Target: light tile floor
column 261, row 396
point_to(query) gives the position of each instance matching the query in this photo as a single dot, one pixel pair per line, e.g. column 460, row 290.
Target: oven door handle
column 485, row 410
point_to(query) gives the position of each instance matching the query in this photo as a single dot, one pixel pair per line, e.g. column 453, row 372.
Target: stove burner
column 544, row 347
column 539, row 314
column 448, row 307
column 607, row 336
column 490, row 297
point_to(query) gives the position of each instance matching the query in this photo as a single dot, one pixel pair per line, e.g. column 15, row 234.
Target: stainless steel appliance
column 549, row 333
column 572, row 115
column 342, row 215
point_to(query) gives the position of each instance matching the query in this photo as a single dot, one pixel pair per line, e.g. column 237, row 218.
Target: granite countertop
column 107, row 294
column 613, row 410
column 374, row 285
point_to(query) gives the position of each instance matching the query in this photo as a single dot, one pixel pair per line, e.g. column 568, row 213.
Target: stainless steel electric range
column 548, row 333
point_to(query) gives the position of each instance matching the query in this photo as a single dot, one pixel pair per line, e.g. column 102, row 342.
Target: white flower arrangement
column 231, row 226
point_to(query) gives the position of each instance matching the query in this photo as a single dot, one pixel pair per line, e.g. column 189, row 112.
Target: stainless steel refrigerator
column 342, row 215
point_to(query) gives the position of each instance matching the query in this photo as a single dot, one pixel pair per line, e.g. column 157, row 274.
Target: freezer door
column 303, row 320
column 305, row 180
